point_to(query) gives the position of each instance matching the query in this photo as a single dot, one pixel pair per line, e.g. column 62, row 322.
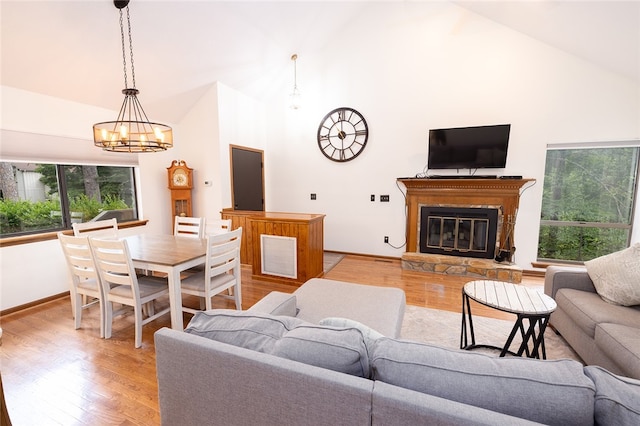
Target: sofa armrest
column 557, row 277
column 276, row 303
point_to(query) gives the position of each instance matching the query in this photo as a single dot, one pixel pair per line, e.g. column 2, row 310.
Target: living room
column 407, row 67
column 434, row 65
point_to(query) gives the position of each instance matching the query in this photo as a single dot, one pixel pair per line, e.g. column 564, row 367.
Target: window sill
column 46, row 236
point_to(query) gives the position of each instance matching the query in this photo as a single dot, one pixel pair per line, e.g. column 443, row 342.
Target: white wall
column 446, row 68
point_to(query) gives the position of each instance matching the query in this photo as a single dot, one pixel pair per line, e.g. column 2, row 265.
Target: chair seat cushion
column 196, row 281
column 144, row 288
column 91, row 285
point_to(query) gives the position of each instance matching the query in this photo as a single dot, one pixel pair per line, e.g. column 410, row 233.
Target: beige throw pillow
column 616, row 276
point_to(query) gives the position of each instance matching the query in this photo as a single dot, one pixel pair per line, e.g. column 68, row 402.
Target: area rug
column 442, row 328
column 330, row 260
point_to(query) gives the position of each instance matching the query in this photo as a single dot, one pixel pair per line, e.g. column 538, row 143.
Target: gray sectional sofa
column 601, row 333
column 268, row 366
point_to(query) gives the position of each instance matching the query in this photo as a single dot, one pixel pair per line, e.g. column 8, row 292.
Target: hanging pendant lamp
column 295, row 96
column 131, row 131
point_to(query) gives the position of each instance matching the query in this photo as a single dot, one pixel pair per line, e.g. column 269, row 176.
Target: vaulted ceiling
column 71, row 49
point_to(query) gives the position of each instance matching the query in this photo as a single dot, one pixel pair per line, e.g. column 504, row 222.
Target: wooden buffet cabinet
column 307, row 229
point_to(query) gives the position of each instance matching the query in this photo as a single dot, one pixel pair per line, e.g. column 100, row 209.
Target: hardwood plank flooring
column 55, row 375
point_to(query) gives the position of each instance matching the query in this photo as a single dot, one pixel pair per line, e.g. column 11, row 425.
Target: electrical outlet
column 384, row 198
column 373, row 197
column 313, row 196
column 386, row 239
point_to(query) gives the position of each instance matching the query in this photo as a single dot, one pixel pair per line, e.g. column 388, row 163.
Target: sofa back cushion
column 255, row 331
column 339, row 349
column 550, row 392
column 616, row 276
column 617, row 397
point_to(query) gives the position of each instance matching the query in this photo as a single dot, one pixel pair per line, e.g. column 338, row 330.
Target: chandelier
column 295, row 95
column 131, row 131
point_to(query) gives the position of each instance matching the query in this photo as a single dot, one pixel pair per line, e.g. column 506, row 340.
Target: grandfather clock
column 180, row 185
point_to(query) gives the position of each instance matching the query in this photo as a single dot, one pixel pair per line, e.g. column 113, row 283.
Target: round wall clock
column 342, row 134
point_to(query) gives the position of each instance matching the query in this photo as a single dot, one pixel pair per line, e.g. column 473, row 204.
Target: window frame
column 589, row 225
column 66, row 225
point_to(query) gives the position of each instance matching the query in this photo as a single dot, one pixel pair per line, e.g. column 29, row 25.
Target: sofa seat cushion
column 339, row 349
column 617, row 398
column 588, row 310
column 380, row 308
column 622, row 344
column 550, row 392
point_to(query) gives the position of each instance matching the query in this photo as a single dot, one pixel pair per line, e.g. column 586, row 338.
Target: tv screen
column 469, row 147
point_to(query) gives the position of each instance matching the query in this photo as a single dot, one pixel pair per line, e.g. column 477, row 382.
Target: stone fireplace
column 460, row 226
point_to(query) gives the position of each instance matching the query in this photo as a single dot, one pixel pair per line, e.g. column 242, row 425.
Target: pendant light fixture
column 295, row 96
column 131, row 131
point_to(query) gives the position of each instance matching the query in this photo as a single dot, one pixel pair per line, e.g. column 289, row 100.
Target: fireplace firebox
column 459, row 231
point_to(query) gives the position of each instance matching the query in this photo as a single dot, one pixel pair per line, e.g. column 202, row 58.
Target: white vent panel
column 279, row 256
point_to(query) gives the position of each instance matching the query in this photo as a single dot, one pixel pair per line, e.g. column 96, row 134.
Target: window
column 49, row 197
column 588, row 201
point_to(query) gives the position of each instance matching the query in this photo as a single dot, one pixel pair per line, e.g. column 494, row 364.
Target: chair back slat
column 192, row 227
column 114, row 263
column 103, row 228
column 223, row 253
column 218, row 226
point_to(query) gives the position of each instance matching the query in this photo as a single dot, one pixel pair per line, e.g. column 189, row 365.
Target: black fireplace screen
column 459, row 231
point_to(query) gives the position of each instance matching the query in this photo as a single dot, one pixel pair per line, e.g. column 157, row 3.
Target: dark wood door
column 247, row 178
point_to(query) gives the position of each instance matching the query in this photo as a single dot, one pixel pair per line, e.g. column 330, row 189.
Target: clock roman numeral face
column 342, row 134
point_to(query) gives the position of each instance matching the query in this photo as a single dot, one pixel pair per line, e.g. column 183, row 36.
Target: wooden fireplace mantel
column 502, row 193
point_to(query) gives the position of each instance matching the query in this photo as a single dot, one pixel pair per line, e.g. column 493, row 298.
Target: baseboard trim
column 33, row 304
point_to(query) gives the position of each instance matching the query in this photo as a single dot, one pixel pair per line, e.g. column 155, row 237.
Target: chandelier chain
column 133, row 71
column 124, row 56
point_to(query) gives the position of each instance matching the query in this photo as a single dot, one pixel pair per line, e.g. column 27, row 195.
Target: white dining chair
column 85, row 280
column 107, row 228
column 122, row 285
column 99, row 228
column 185, row 226
column 221, row 272
column 218, row 226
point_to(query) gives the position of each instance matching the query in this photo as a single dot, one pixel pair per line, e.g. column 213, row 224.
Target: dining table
column 171, row 255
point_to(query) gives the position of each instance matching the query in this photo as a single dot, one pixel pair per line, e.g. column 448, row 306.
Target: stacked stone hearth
column 481, row 269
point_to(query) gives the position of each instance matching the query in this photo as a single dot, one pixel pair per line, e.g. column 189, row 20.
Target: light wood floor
column 55, row 375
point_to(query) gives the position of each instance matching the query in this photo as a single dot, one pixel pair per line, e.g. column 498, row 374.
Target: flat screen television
column 469, row 147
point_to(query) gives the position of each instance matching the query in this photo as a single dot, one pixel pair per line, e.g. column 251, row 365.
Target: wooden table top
column 510, row 297
column 167, row 250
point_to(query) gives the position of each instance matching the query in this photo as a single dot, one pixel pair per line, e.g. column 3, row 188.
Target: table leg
column 517, row 326
column 466, row 313
column 531, row 335
column 175, row 300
